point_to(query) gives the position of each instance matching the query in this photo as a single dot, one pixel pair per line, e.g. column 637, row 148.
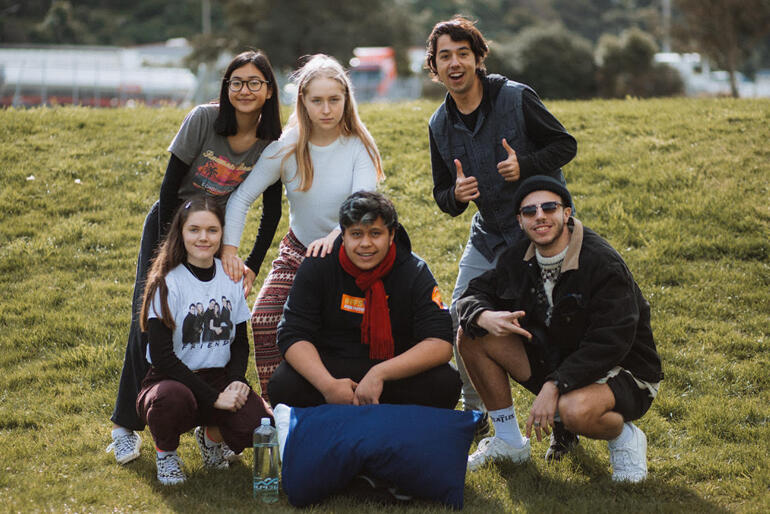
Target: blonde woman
column 324, row 155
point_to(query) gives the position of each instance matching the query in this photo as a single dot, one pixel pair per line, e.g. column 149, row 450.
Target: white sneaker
column 213, row 456
column 494, row 448
column 169, row 469
column 126, row 447
column 629, row 460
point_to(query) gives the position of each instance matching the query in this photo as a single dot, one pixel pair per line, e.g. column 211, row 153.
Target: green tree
column 104, row 22
column 556, row 62
column 289, row 29
column 727, row 31
column 627, row 67
column 60, row 24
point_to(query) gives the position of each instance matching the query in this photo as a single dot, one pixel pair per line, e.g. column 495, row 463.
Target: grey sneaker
column 494, row 448
column 228, row 454
column 125, row 447
column 629, row 461
column 562, row 442
column 170, row 469
column 213, row 456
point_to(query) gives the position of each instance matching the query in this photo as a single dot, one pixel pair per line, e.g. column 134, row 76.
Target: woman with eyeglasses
column 214, row 151
column 325, row 155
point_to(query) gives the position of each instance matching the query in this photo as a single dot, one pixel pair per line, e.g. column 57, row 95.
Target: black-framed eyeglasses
column 254, row 85
column 548, row 208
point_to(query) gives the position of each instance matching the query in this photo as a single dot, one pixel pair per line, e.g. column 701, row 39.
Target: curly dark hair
column 458, row 29
column 365, row 207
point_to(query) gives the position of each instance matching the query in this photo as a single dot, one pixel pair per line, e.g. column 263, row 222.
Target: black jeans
column 135, row 364
column 436, row 387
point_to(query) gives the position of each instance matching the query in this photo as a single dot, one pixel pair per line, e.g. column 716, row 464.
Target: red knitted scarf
column 375, row 327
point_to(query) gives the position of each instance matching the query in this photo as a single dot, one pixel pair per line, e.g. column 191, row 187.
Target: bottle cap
column 265, row 421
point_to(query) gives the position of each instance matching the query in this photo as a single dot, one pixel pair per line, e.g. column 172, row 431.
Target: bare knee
column 465, row 345
column 576, row 411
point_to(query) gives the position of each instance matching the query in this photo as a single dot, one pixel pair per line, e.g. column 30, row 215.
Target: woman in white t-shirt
column 201, row 383
column 325, row 154
column 213, row 152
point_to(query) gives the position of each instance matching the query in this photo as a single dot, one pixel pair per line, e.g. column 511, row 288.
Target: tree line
column 565, row 48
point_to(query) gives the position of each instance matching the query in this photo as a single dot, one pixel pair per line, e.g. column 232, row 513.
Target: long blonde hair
column 323, row 66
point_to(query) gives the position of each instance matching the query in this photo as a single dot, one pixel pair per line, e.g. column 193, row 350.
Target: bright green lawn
column 679, row 187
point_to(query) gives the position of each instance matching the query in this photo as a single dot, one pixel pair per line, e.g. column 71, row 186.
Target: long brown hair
column 171, row 254
column 323, row 66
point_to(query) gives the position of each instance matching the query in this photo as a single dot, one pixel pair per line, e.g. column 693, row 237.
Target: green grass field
column 680, row 187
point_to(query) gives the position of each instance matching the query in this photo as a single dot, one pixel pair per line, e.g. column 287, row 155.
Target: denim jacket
column 479, row 151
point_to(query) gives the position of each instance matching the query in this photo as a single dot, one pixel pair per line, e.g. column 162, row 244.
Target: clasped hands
column 348, row 392
column 233, row 397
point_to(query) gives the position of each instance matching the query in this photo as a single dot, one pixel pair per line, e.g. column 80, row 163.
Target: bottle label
column 266, row 484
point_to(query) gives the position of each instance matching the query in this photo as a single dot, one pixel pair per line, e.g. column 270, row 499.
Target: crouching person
column 562, row 315
column 194, row 383
column 365, row 324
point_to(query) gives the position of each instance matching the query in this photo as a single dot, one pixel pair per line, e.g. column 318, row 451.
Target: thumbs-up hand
column 509, row 168
column 466, row 188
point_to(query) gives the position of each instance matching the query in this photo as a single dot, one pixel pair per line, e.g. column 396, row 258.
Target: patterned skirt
column 269, row 306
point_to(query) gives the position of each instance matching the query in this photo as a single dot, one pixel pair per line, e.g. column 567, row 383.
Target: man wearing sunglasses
column 489, row 133
column 562, row 315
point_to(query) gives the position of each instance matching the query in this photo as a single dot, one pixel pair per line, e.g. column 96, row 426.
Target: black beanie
column 541, row 183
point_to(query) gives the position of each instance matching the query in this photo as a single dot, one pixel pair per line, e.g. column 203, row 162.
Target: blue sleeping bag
column 421, row 450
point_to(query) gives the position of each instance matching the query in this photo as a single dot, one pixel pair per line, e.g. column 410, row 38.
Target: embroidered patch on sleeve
column 436, row 297
column 352, row 304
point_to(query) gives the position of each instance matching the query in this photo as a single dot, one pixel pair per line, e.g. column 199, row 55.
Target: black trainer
column 483, row 428
column 562, row 442
column 369, row 489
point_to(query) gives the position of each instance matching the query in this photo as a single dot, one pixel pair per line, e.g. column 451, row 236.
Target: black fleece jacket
column 321, row 305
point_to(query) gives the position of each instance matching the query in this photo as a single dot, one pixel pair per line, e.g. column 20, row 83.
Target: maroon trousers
column 169, row 408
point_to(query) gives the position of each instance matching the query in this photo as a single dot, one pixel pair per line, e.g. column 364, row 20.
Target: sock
column 209, row 443
column 120, row 431
column 623, row 437
column 163, row 454
column 507, row 427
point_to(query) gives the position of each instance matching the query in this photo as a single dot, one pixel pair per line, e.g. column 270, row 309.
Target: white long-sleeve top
column 339, row 169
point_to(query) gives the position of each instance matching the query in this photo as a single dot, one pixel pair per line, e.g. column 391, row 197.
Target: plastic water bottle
column 266, row 462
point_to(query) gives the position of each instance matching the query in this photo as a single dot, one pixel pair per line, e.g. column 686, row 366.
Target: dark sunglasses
column 548, row 208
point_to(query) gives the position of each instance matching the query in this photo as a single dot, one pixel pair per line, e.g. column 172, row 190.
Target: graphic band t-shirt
column 215, row 169
column 205, row 314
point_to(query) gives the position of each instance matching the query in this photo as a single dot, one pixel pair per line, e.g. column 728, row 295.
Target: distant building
column 100, row 76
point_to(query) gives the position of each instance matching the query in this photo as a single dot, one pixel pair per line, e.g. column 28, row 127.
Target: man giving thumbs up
column 489, row 133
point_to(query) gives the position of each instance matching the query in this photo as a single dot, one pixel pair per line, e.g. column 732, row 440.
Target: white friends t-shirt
column 205, row 314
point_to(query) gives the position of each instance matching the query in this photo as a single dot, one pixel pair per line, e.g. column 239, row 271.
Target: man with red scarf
column 366, row 324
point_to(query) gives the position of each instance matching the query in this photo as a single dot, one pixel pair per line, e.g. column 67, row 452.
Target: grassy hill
column 679, row 187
